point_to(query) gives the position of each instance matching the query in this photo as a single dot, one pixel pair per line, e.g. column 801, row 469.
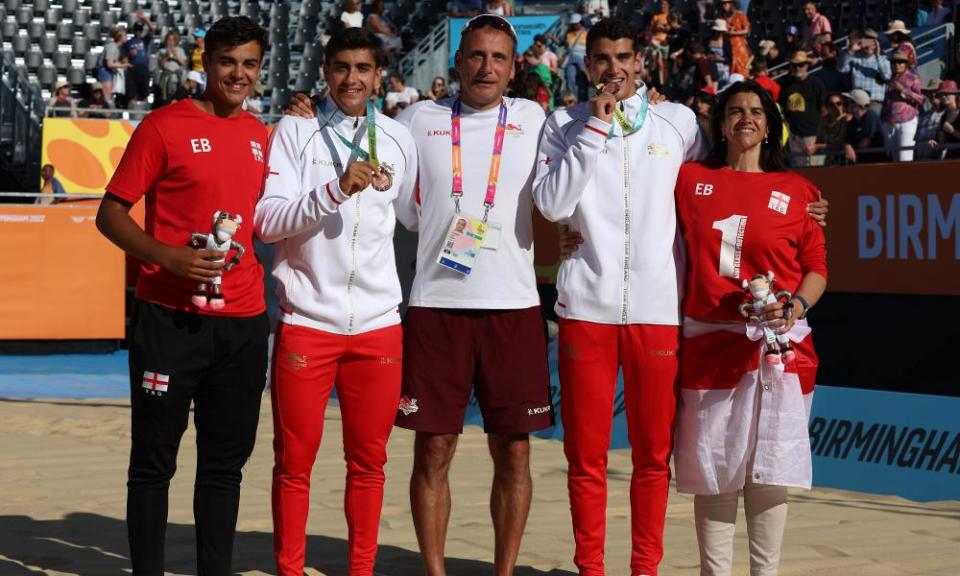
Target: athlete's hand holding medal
column 605, row 102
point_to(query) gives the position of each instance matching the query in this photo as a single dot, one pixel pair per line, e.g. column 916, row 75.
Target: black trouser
column 219, row 364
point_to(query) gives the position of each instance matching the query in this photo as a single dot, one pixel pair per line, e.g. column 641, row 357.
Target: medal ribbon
column 457, row 191
column 625, row 125
column 371, row 121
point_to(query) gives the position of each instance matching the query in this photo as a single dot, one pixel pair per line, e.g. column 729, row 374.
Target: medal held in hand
column 384, row 178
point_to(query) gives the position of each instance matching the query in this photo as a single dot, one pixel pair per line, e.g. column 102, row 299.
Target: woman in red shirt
column 742, row 420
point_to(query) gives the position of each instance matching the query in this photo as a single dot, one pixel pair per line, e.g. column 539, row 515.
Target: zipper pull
column 356, row 122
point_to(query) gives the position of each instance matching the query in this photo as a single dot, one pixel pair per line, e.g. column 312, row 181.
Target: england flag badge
column 155, row 383
column 779, row 202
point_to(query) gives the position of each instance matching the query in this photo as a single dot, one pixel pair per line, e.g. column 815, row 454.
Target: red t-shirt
column 190, row 164
column 738, row 224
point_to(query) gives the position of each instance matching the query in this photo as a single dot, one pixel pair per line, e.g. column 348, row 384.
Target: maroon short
column 499, row 354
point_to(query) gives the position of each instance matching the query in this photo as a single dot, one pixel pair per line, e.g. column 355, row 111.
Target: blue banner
column 870, row 441
column 886, row 443
column 526, row 26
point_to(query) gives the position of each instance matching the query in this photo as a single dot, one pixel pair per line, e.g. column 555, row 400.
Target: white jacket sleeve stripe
column 562, row 173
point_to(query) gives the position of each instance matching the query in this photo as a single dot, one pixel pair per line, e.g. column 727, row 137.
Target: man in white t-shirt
column 400, row 95
column 474, row 323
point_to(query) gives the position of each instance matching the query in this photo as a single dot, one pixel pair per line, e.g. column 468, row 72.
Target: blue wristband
column 803, row 302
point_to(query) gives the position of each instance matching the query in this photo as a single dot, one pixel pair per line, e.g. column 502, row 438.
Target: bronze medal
column 384, row 178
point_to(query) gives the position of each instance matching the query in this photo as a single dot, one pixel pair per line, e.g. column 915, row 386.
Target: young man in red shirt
column 196, row 162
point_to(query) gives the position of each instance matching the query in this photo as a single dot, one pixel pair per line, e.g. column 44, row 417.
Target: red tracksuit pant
column 590, row 356
column 366, row 369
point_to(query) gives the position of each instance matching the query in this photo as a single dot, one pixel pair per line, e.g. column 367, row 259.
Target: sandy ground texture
column 63, row 466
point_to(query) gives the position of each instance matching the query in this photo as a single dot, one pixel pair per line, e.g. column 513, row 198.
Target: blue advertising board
column 526, row 26
column 871, row 441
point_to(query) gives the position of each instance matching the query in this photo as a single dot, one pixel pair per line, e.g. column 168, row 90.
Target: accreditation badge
column 462, row 244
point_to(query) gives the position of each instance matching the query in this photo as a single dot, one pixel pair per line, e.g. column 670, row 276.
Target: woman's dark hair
column 611, row 29
column 355, row 39
column 233, row 31
column 772, row 156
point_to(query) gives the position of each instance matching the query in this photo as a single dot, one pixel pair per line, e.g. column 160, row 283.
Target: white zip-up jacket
column 619, row 193
column 334, row 260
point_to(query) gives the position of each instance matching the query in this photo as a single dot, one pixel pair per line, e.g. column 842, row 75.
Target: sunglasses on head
column 489, row 21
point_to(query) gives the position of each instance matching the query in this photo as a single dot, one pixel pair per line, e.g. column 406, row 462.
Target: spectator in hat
column 899, row 36
column 573, row 67
column 771, row 52
column 62, row 104
column 137, row 51
column 196, row 53
column 950, row 121
column 759, row 74
column 791, row 42
column 738, row 29
column 718, row 51
column 191, row 87
column 816, row 25
column 802, row 98
column 928, row 127
column 863, row 130
column 901, row 106
column 868, row 67
column 96, row 101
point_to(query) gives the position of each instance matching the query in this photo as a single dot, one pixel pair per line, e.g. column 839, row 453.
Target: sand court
column 62, row 487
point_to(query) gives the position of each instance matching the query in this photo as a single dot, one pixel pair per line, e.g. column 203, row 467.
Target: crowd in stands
column 124, row 79
column 843, row 102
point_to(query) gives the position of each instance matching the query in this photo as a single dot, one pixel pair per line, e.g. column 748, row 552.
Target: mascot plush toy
column 225, row 225
column 760, row 290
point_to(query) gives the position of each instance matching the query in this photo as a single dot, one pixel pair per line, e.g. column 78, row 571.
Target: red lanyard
column 457, row 191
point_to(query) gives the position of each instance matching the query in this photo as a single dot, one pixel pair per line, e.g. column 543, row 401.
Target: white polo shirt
column 334, row 260
column 503, row 278
column 619, row 193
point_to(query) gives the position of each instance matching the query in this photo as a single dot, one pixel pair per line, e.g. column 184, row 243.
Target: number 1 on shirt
column 731, row 244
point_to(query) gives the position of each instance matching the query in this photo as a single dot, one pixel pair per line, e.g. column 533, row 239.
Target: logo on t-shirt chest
column 779, row 202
